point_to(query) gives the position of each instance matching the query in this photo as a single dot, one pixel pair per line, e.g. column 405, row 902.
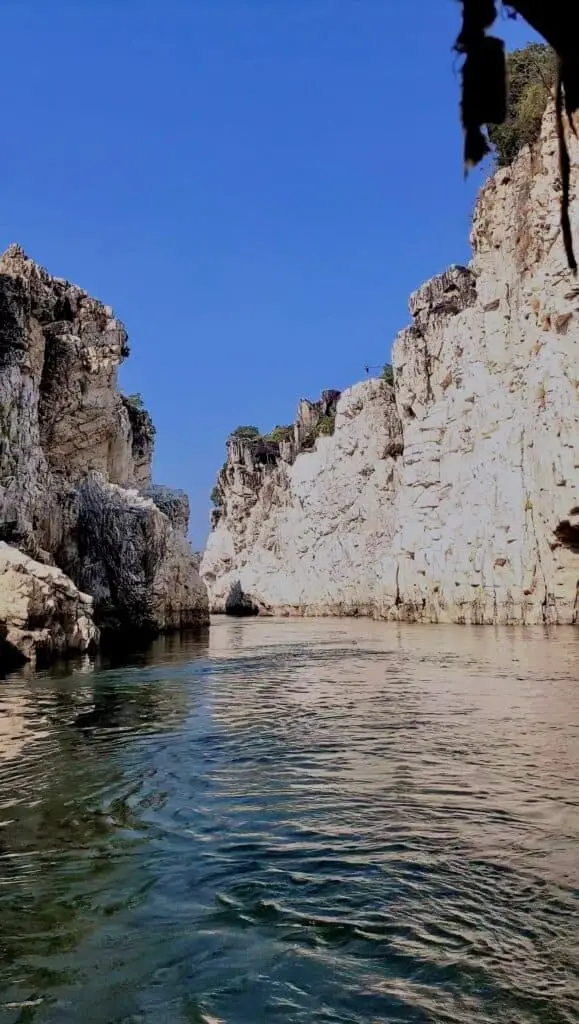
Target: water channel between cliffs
column 297, row 821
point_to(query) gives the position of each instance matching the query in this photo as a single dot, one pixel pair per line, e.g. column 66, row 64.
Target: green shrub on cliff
column 216, row 497
column 532, row 73
column 246, row 433
column 141, row 423
column 326, row 426
column 136, row 401
column 280, row 434
column 388, row 374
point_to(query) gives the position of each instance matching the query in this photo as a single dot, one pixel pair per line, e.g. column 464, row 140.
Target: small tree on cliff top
column 532, row 73
column 136, row 401
column 388, row 374
column 280, row 434
column 246, row 433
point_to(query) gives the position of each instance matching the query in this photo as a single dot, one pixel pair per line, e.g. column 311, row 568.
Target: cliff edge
column 453, row 495
column 75, row 463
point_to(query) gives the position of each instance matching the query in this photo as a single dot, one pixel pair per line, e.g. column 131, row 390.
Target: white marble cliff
column 454, row 495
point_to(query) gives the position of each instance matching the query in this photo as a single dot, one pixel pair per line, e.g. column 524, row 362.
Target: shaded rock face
column 173, row 503
column 42, row 613
column 239, row 604
column 140, row 570
column 142, row 441
column 64, row 423
column 454, row 497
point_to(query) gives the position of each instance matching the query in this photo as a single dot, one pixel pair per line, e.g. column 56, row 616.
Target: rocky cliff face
column 453, row 496
column 42, row 613
column 75, row 455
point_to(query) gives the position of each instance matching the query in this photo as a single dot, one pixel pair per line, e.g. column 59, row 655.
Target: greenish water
column 298, row 822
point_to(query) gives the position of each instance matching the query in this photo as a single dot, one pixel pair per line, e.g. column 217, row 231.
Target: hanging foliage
column 484, row 99
column 532, row 77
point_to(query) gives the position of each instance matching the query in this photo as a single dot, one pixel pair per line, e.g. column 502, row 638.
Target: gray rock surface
column 174, row 503
column 65, row 424
column 142, row 440
column 140, row 570
column 454, row 497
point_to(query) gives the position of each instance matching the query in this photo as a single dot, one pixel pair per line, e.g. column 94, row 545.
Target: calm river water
column 297, row 822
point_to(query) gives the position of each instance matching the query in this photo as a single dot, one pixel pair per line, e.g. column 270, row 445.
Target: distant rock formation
column 453, row 496
column 75, row 456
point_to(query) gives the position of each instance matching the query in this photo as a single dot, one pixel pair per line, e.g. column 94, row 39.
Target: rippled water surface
column 295, row 821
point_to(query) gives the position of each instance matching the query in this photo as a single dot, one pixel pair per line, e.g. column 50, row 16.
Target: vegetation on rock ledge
column 276, row 436
column 326, row 426
column 388, row 374
column 136, row 401
column 246, row 433
column 280, row 434
column 141, row 422
column 532, row 73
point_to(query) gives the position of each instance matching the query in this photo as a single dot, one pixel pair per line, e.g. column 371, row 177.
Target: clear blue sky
column 255, row 186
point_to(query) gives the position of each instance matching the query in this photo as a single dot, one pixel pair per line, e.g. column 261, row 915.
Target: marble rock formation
column 64, row 425
column 42, row 613
column 454, row 495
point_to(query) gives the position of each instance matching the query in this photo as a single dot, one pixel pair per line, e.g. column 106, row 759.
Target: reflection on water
column 295, row 822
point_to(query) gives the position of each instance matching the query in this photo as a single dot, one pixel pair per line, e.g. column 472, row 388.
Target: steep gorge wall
column 75, row 458
column 455, row 495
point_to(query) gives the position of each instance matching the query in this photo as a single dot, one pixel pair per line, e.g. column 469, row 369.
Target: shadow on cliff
column 240, row 604
column 567, row 532
column 10, row 657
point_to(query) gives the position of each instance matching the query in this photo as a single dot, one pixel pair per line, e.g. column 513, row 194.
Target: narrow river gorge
column 298, row 821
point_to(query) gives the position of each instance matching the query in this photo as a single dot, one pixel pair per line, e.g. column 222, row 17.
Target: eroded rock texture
column 453, row 497
column 42, row 613
column 65, row 425
column 140, row 569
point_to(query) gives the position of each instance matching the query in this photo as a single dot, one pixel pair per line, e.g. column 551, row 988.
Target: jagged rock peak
column 446, row 294
column 14, row 251
column 55, row 298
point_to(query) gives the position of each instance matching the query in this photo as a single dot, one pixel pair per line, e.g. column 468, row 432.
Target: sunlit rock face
column 453, row 496
column 64, row 422
column 42, row 613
